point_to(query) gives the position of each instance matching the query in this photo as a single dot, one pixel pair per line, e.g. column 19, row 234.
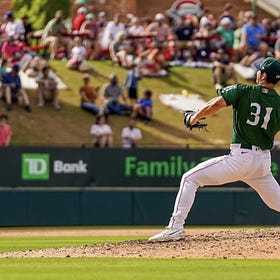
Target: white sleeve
column 138, row 134
column 124, row 132
column 93, row 130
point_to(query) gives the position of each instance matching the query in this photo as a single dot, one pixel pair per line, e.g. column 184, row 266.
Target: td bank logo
column 35, row 166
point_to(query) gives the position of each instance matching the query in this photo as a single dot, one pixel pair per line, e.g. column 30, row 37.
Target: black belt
column 245, row 146
column 250, row 147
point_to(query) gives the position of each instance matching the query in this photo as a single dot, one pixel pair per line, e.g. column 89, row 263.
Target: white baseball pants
column 249, row 166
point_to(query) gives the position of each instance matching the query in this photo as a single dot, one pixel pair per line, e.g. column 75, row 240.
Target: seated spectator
column 80, row 18
column 251, row 35
column 3, row 70
column 13, row 89
column 32, row 64
column 184, row 34
column 277, row 49
column 255, row 59
column 5, row 131
column 223, row 69
column 101, row 132
column 12, row 50
column 112, row 94
column 47, row 89
column 90, row 28
column 122, row 51
column 144, row 107
column 131, row 135
column 89, row 95
column 78, row 55
column 153, row 63
column 55, row 35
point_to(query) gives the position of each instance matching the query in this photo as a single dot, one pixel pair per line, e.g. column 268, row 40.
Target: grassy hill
column 70, row 126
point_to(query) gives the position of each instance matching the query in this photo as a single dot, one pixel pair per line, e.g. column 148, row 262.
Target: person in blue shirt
column 251, row 35
column 144, row 107
column 13, row 91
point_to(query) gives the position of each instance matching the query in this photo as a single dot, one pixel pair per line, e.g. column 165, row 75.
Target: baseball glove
column 187, row 117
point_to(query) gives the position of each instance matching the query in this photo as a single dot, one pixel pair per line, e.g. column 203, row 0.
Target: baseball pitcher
column 256, row 120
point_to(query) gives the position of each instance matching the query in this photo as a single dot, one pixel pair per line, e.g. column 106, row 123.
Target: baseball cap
column 90, row 16
column 271, row 67
column 8, row 14
column 82, row 10
column 159, row 16
column 225, row 21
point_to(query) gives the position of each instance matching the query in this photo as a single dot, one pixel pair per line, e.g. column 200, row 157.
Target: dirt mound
column 241, row 244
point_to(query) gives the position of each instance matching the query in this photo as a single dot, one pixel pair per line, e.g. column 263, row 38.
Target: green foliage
column 21, row 7
column 40, row 11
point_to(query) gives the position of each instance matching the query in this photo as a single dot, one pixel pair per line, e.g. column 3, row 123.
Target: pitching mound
column 241, row 244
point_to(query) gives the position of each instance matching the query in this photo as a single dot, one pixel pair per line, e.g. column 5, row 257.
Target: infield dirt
column 262, row 243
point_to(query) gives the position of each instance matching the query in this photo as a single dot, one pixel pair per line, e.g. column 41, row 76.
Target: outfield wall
column 75, row 186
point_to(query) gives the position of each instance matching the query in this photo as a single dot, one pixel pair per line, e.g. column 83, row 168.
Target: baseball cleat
column 168, row 235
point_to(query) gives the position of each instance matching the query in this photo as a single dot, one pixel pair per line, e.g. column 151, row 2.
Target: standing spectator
column 88, row 96
column 131, row 135
column 47, row 89
column 101, row 132
column 55, row 35
column 224, row 29
column 144, row 107
column 5, row 131
column 14, row 28
column 112, row 94
column 13, row 89
column 78, row 56
column 110, row 31
column 90, row 28
column 227, row 13
column 79, row 18
column 131, row 83
column 159, row 29
column 28, row 29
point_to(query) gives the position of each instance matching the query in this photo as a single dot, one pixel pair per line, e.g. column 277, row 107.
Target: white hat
column 225, row 21
column 159, row 16
column 82, row 10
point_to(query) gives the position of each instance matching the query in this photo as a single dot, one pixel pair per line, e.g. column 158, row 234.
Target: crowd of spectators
column 145, row 47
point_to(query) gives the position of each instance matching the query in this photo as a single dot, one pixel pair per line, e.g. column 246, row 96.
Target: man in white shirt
column 131, row 135
column 110, row 31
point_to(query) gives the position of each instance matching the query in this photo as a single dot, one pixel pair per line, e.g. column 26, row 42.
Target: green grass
column 8, row 244
column 122, row 269
column 70, row 126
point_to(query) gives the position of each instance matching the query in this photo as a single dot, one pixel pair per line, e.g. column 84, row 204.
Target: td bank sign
column 38, row 167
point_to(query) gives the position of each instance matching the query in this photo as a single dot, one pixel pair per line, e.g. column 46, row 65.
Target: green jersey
column 256, row 114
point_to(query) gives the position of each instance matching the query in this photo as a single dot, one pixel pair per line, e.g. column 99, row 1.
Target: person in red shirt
column 5, row 131
column 79, row 18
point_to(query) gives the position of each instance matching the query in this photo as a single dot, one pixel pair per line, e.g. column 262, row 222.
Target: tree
column 40, row 11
